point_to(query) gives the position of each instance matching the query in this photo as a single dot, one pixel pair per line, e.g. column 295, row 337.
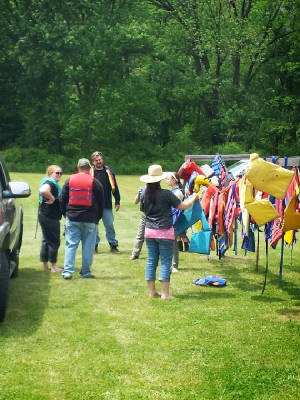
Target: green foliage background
column 147, row 81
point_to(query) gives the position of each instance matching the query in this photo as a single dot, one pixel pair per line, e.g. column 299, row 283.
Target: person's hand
column 50, row 201
column 117, row 207
column 196, row 197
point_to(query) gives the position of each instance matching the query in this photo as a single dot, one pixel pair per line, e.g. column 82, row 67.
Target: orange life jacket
column 207, row 196
column 81, row 189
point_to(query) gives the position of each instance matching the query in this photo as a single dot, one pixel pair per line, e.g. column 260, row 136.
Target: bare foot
column 46, row 267
column 155, row 294
column 168, row 297
column 55, row 268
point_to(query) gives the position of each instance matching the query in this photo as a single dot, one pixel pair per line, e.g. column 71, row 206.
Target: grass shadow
column 289, row 314
column 206, row 295
column 286, row 286
column 266, row 299
column 28, row 299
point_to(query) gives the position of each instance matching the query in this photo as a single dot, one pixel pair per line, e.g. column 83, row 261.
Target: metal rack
column 292, row 161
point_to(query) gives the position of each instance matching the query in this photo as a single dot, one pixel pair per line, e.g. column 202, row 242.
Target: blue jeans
column 108, row 222
column 76, row 232
column 156, row 248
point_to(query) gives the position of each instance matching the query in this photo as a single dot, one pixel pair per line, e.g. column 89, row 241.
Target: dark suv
column 11, row 230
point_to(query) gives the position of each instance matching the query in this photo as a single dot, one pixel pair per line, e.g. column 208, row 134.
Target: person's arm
column 64, row 198
column 116, row 195
column 188, row 202
column 138, row 196
column 99, row 194
column 45, row 191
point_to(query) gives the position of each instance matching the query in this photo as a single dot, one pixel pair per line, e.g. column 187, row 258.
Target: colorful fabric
column 262, row 211
column 217, row 164
column 188, row 217
column 249, row 242
column 269, row 178
column 210, row 281
column 54, row 182
column 160, row 233
column 289, row 237
column 207, row 196
column 200, row 242
column 111, row 178
column 291, row 220
column 229, row 212
column 276, row 232
column 187, row 168
column 223, row 244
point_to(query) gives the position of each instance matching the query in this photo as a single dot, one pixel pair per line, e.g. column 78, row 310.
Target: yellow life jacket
column 262, row 211
column 291, row 218
column 268, row 177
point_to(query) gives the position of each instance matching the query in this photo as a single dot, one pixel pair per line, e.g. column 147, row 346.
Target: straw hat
column 155, row 174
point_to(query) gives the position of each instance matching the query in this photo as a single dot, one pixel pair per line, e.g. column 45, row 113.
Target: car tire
column 4, row 279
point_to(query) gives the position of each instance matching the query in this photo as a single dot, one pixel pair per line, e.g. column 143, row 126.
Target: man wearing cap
column 82, row 203
column 106, row 176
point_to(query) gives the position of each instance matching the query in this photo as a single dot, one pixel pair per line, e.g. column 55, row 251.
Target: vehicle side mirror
column 17, row 190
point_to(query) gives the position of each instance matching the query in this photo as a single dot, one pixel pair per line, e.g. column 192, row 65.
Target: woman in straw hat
column 156, row 203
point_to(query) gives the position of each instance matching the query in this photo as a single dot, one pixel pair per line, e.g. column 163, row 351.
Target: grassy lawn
column 105, row 339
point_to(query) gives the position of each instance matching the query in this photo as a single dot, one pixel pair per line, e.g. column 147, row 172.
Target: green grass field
column 105, row 339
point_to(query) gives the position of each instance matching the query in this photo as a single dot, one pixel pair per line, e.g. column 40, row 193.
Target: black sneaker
column 180, row 245
column 96, row 249
column 186, row 246
column 114, row 249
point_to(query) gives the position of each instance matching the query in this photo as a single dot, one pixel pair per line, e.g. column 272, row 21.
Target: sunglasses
column 96, row 154
column 58, row 173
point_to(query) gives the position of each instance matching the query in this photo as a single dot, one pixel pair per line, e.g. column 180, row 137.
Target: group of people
column 86, row 197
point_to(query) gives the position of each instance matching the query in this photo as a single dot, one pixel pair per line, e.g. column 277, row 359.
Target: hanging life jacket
column 81, row 190
column 207, row 196
column 187, row 168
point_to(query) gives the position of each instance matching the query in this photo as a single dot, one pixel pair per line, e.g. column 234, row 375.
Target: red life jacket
column 187, row 168
column 207, row 196
column 81, row 190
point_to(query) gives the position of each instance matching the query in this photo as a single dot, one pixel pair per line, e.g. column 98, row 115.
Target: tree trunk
column 236, row 62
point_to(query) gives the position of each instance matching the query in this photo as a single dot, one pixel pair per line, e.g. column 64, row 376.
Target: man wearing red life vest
column 82, row 203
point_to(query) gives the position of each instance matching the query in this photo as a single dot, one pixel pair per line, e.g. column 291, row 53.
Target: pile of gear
column 267, row 194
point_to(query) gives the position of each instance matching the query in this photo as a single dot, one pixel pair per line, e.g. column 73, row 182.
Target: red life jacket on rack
column 81, row 189
column 207, row 196
column 187, row 168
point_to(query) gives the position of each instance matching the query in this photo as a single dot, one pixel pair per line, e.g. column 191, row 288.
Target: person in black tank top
column 156, row 203
column 49, row 217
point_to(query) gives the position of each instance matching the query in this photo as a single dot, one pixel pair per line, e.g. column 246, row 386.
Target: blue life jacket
column 210, row 281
